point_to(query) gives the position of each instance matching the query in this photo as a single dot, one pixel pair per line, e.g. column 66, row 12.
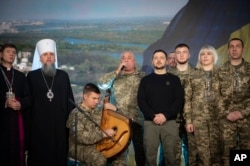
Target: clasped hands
column 13, row 103
column 159, row 119
column 232, row 116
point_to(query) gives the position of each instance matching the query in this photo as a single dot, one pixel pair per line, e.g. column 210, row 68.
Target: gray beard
column 49, row 70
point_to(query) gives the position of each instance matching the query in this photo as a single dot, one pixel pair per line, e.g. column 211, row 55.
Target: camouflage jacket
column 88, row 134
column 235, row 88
column 124, row 89
column 184, row 77
column 201, row 94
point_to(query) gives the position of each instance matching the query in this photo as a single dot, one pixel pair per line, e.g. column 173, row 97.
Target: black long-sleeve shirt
column 160, row 94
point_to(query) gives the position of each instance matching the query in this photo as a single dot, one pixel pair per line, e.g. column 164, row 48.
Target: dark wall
column 202, row 22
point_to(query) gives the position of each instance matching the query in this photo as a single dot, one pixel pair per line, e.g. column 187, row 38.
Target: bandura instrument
column 120, row 141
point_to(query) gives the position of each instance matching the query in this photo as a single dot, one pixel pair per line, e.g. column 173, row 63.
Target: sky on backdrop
column 85, row 9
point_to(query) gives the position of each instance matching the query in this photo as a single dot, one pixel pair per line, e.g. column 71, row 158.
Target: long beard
column 49, row 70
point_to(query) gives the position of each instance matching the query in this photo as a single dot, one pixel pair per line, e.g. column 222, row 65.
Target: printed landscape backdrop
column 91, row 34
column 90, row 30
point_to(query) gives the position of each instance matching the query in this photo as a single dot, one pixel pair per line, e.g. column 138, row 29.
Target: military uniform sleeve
column 106, row 81
column 187, row 111
column 246, row 111
column 87, row 132
column 220, row 101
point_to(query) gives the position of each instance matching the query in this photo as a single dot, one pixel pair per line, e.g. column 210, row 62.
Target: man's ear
column 84, row 96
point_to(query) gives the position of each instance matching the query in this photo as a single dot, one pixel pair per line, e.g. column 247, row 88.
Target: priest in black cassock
column 50, row 92
column 14, row 101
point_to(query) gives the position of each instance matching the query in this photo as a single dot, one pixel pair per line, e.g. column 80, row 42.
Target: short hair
column 7, row 45
column 182, row 45
column 172, row 52
column 160, row 50
column 90, row 87
column 127, row 52
column 210, row 48
column 242, row 43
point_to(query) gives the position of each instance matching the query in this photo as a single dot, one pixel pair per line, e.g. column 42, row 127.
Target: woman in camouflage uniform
column 200, row 112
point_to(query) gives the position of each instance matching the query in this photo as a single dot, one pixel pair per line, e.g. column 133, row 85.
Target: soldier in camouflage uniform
column 171, row 60
column 83, row 133
column 234, row 77
column 200, row 109
column 124, row 84
column 182, row 70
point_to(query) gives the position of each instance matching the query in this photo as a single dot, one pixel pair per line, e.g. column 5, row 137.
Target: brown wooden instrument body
column 120, row 141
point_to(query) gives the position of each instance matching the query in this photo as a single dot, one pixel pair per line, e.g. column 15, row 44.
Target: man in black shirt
column 160, row 98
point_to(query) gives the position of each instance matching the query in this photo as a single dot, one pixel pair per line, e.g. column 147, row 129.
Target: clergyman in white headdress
column 45, row 46
column 51, row 91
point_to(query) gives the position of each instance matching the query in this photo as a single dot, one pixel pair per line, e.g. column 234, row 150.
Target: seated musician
column 84, row 126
